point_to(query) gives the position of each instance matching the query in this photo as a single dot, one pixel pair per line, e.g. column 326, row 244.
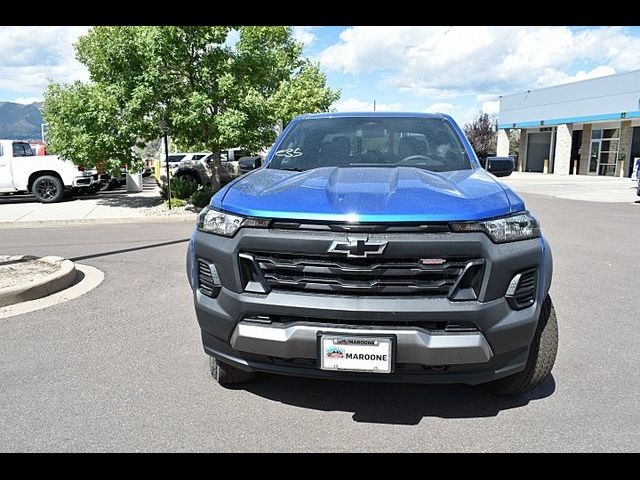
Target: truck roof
column 372, row 114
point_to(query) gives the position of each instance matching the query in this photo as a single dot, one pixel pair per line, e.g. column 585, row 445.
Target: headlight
column 521, row 226
column 225, row 224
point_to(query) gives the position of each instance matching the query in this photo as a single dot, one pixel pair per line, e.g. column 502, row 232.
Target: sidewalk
column 104, row 207
column 575, row 187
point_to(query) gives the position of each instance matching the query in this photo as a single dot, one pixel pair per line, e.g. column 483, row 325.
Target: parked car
column 176, row 158
column 48, row 177
column 199, row 169
column 109, row 182
column 231, row 164
column 373, row 246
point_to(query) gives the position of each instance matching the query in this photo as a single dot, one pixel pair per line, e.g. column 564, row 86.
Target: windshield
column 428, row 143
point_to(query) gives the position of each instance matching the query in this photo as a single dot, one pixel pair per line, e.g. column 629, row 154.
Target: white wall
column 598, row 96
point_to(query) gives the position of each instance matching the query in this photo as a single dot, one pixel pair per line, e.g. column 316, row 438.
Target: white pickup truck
column 48, row 177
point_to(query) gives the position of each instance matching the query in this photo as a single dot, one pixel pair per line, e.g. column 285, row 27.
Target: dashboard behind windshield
column 428, row 143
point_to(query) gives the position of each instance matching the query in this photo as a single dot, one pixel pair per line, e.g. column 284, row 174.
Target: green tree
column 85, row 124
column 304, row 92
column 212, row 93
column 481, row 133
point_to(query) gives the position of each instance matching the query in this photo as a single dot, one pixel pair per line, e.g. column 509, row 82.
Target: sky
column 454, row 70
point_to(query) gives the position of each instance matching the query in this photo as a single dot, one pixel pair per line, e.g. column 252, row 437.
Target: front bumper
column 499, row 347
column 87, row 181
column 415, row 345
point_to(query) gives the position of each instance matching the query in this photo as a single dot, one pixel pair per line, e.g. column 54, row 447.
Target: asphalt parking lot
column 122, row 367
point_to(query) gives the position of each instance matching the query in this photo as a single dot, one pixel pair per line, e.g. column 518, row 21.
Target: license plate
column 355, row 353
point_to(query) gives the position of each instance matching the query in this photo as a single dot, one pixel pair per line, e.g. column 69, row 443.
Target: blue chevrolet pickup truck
column 374, row 247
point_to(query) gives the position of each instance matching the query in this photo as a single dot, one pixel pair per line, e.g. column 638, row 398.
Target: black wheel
column 48, row 189
column 542, row 356
column 225, row 374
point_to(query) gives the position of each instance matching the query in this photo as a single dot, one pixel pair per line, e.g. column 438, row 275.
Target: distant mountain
column 20, row 122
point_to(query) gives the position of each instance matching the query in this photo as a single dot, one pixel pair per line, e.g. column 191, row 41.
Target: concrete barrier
column 62, row 278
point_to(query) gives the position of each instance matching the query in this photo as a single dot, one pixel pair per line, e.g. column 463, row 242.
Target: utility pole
column 166, row 156
column 165, row 129
column 374, row 104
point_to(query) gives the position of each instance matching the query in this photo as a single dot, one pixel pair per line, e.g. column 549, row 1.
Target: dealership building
column 590, row 127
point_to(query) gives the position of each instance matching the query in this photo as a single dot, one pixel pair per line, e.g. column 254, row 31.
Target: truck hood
column 368, row 194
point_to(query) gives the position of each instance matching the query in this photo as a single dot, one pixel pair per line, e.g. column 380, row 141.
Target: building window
column 603, row 159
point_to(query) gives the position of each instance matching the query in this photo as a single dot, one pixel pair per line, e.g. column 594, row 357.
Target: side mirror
column 500, row 166
column 246, row 164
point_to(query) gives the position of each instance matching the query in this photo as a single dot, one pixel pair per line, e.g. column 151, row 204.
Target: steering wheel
column 410, row 158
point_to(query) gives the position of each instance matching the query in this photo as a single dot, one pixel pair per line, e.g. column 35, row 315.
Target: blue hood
column 368, row 194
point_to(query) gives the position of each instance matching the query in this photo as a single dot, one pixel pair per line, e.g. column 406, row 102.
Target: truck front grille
column 366, row 276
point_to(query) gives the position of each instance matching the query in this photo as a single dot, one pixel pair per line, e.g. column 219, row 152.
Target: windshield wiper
column 292, row 169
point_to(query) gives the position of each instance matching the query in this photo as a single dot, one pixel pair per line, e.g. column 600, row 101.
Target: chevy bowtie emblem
column 357, row 247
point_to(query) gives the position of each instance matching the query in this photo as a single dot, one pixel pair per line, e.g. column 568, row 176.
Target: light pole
column 164, row 127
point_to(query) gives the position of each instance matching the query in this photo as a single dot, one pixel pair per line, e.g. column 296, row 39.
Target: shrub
column 202, row 196
column 163, row 191
column 176, row 202
column 182, row 189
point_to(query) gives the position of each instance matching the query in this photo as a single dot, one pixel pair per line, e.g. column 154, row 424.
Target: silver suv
column 197, row 166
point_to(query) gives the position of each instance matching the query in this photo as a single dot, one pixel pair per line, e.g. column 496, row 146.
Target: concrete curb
column 96, row 221
column 52, row 283
column 87, row 278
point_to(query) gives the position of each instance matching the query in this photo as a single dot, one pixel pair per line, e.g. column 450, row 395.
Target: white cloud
column 357, row 105
column 444, row 62
column 552, row 76
column 441, row 107
column 489, row 103
column 368, row 48
column 304, row 34
column 486, row 97
column 460, row 114
column 491, row 107
column 27, row 100
column 30, row 56
column 466, row 115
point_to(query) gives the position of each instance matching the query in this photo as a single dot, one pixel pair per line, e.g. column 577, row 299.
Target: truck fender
column 547, row 268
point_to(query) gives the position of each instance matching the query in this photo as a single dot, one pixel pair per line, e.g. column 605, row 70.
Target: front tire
column 226, row 374
column 48, row 189
column 542, row 356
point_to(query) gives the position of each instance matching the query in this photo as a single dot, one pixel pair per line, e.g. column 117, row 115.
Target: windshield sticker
column 289, row 152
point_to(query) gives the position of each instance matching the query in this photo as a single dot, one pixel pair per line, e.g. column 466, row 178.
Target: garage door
column 537, row 151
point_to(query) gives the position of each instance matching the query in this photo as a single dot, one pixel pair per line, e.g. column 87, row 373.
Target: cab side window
column 22, row 150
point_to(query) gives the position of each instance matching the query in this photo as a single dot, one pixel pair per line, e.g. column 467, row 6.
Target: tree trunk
column 216, row 169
